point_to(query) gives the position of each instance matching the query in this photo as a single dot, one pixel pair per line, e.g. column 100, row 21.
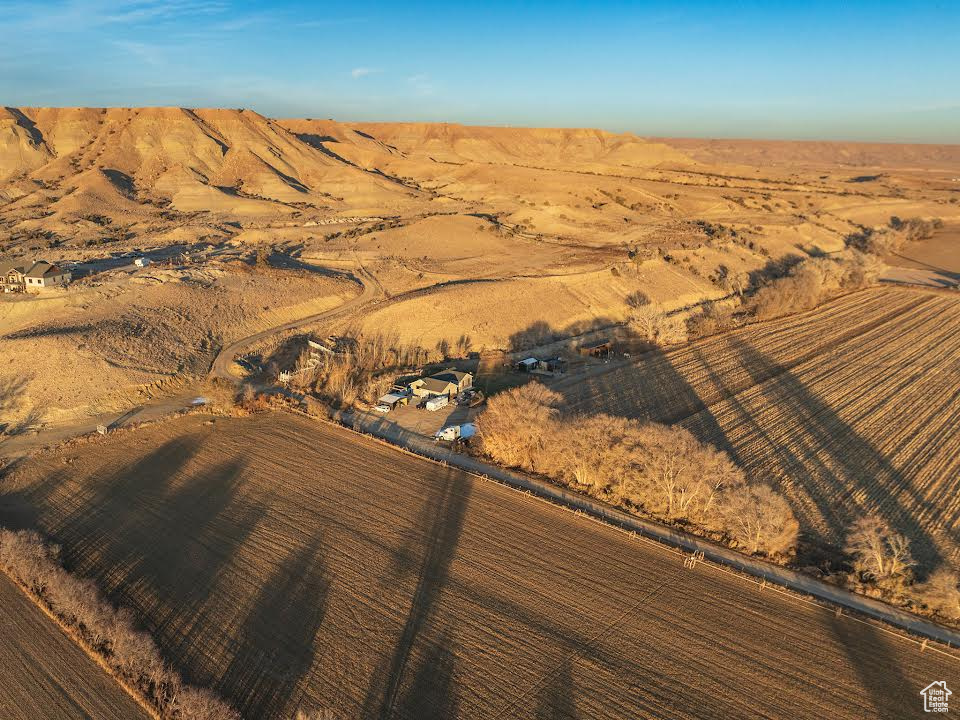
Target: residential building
column 445, row 382
column 26, row 276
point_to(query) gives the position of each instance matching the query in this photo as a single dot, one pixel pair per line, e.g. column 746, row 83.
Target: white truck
column 456, row 432
column 435, row 403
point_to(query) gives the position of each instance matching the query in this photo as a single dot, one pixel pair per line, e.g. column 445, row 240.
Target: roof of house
column 8, row 265
column 452, row 376
column 44, row 269
column 437, row 385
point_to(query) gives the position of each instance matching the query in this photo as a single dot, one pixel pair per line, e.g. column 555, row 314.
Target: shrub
column 107, row 631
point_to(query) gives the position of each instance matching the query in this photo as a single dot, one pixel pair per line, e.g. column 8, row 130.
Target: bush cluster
column 883, row 566
column 892, row 237
column 109, row 632
column 648, row 468
column 814, row 281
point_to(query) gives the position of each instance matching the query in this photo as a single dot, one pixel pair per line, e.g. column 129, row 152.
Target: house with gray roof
column 26, row 276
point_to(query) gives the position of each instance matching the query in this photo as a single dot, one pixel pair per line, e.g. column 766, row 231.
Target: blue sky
column 833, row 70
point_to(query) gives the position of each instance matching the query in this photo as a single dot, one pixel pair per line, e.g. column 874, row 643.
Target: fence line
column 886, row 618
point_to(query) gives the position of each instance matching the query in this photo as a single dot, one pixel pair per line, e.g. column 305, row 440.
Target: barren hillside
column 481, row 232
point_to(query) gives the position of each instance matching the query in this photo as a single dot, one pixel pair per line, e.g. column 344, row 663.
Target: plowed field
column 292, row 564
column 44, row 674
column 851, row 408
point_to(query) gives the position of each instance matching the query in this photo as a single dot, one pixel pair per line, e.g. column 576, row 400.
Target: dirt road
column 223, row 364
column 44, row 674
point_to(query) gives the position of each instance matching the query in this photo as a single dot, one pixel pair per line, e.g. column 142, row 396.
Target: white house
column 31, row 276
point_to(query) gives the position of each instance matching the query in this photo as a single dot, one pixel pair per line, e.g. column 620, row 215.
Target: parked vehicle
column 435, row 403
column 478, row 398
column 456, row 432
column 382, row 408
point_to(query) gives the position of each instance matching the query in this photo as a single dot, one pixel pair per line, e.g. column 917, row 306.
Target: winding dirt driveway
column 222, row 366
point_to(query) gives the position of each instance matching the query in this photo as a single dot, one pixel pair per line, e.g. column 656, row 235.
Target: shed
column 393, row 399
column 527, row 365
column 596, row 349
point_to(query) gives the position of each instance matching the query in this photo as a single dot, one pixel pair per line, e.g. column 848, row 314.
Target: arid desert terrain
column 242, row 287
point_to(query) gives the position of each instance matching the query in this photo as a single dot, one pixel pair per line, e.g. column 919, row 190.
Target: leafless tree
column 760, row 520
column 516, row 423
column 657, row 326
column 941, row 592
column 879, row 553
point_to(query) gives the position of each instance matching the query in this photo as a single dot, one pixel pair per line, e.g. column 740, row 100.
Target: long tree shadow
column 158, row 541
column 890, row 693
column 432, row 694
column 813, row 549
column 833, row 464
column 439, row 525
column 276, row 640
column 557, row 699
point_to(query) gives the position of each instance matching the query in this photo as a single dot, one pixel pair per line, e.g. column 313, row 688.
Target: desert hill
column 813, row 153
column 453, row 230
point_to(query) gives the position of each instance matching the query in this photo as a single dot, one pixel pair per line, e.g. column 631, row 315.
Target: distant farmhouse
column 446, row 382
column 20, row 276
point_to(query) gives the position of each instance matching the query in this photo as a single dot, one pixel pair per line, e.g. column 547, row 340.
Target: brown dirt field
column 850, row 408
column 43, row 673
column 940, row 253
column 292, row 564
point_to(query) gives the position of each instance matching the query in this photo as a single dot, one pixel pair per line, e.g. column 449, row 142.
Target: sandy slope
column 45, row 674
column 291, row 564
column 545, row 215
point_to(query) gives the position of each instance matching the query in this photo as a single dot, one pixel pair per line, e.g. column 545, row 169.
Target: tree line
column 110, row 633
column 647, row 468
column 665, row 473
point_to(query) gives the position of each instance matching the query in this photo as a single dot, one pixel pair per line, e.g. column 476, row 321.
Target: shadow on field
column 831, row 464
column 158, row 540
column 835, row 474
column 557, row 701
column 872, row 658
column 429, row 662
column 276, row 639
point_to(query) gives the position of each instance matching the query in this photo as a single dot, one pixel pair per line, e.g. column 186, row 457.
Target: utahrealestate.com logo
column 936, row 697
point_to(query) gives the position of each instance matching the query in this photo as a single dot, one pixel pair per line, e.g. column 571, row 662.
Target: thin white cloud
column 150, row 54
column 71, row 15
column 329, row 22
column 360, row 72
column 421, row 84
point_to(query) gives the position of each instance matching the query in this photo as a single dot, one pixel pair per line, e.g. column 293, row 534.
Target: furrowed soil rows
column 854, row 407
column 291, row 564
column 44, row 674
